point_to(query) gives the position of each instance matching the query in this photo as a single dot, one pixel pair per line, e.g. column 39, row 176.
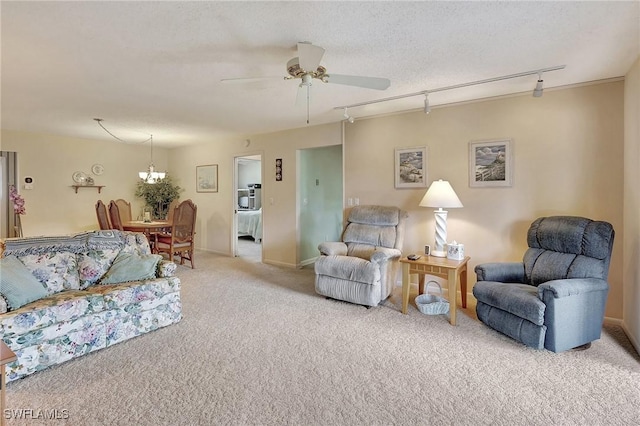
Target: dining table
column 147, row 227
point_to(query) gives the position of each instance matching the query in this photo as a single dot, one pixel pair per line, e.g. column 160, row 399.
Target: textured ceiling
column 156, row 67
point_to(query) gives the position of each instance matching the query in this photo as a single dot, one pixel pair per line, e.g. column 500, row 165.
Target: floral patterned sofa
column 100, row 288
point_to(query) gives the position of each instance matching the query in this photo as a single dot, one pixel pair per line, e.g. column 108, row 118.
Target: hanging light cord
column 100, row 120
column 151, row 139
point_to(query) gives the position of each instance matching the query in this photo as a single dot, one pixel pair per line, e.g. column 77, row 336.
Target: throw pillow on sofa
column 131, row 267
column 17, row 284
column 58, row 271
column 93, row 264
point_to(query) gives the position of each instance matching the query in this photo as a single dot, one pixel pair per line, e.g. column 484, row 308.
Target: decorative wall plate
column 97, row 169
column 79, row 177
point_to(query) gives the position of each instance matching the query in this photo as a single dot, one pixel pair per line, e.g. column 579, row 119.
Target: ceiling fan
column 306, row 67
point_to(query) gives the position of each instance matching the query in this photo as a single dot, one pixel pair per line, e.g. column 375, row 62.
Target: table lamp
column 440, row 194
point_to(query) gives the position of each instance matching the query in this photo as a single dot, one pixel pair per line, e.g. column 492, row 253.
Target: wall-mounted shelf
column 88, row 186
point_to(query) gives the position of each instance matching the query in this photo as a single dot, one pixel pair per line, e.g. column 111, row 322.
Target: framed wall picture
column 411, row 167
column 490, row 163
column 207, row 178
column 278, row 169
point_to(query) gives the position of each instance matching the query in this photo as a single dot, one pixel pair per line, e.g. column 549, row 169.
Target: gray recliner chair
column 556, row 297
column 363, row 267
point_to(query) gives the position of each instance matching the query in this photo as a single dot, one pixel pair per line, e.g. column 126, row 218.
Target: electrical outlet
column 356, row 201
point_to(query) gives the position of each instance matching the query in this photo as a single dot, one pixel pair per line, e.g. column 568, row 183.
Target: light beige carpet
column 258, row 346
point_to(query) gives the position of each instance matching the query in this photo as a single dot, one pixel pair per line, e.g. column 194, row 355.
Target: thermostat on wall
column 28, row 182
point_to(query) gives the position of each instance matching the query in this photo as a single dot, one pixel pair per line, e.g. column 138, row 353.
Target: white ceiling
column 155, row 67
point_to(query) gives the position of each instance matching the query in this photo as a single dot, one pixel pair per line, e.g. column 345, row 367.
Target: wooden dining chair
column 114, row 215
column 182, row 237
column 172, row 208
column 124, row 208
column 103, row 216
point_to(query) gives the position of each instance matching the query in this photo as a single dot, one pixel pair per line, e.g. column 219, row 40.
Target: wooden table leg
column 420, row 284
column 405, row 287
column 453, row 281
column 2, row 395
column 463, row 286
column 6, row 356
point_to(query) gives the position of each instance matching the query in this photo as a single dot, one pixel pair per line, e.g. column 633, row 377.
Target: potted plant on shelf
column 158, row 195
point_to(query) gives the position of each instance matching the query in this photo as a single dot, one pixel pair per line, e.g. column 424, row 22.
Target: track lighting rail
column 538, row 72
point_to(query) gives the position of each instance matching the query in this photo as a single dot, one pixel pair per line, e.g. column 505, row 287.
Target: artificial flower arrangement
column 17, row 200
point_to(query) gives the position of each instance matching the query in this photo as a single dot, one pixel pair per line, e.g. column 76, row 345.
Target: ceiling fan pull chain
column 308, row 102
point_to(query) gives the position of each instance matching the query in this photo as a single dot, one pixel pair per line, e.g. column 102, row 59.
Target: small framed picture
column 207, row 178
column 411, row 167
column 278, row 169
column 490, row 163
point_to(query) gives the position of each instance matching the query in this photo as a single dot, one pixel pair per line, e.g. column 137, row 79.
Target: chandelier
column 151, row 176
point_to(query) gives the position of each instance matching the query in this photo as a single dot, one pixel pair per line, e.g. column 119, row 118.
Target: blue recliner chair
column 555, row 298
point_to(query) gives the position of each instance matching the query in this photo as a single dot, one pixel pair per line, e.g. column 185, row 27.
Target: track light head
column 427, row 107
column 537, row 92
column 347, row 116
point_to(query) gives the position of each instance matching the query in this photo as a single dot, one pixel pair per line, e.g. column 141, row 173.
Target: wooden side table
column 6, row 356
column 455, row 271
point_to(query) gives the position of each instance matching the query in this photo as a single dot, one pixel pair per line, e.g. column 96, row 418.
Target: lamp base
column 436, row 253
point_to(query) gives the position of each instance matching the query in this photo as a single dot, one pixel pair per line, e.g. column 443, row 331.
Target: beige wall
column 568, row 159
column 631, row 237
column 52, row 206
column 279, row 206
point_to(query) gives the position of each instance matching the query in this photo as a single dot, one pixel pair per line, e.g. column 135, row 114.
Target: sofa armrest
column 383, row 254
column 505, row 272
column 166, row 268
column 329, row 248
column 572, row 287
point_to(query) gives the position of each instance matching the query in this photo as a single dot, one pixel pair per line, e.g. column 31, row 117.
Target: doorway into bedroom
column 248, row 207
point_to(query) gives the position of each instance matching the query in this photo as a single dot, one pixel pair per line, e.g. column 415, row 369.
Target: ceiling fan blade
column 249, row 79
column 309, row 56
column 353, row 80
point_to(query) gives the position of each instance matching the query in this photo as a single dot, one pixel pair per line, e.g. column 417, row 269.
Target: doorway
column 320, row 199
column 247, row 224
column 8, row 177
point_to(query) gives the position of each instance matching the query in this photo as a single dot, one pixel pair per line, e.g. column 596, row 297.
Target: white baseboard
column 308, row 262
column 222, row 253
column 278, row 263
column 631, row 338
column 613, row 321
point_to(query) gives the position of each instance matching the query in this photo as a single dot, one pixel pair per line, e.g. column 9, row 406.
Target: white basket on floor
column 431, row 304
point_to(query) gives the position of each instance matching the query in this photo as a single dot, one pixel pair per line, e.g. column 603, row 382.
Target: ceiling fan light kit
column 306, row 67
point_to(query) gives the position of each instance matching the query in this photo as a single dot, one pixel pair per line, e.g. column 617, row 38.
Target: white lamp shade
column 440, row 194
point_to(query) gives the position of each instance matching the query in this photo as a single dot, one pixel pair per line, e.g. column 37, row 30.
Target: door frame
column 234, row 200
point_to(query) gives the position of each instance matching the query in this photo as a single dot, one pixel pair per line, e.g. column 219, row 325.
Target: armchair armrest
column 329, row 248
column 166, row 268
column 506, row 272
column 383, row 254
column 572, row 287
